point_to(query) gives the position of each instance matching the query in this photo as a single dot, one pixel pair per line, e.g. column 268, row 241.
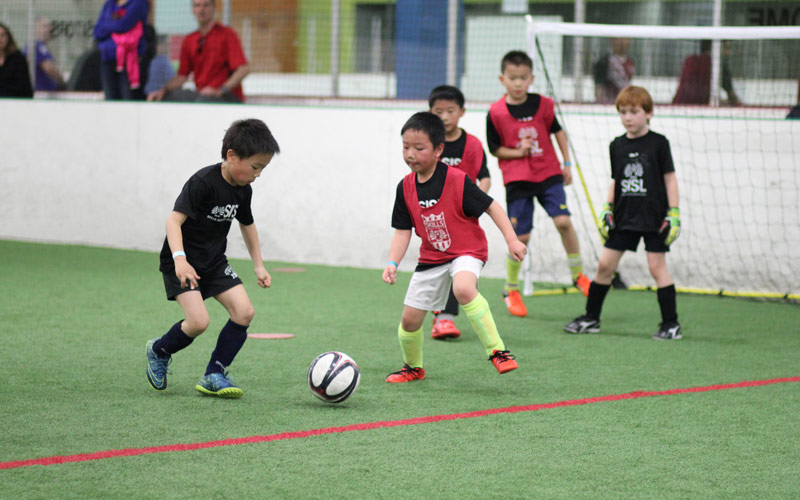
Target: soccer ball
column 333, row 376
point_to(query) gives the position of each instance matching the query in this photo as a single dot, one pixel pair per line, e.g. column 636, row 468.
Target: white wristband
column 179, row 253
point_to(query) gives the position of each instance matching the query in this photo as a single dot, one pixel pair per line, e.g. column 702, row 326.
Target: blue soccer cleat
column 219, row 385
column 156, row 368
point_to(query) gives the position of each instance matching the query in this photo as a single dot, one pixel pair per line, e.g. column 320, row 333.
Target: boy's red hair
column 635, row 96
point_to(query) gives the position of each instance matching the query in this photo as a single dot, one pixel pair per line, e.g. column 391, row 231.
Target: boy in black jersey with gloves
column 642, row 204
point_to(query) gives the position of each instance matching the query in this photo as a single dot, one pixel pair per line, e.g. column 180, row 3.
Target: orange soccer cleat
column 503, row 361
column 514, row 303
column 583, row 283
column 444, row 329
column 406, row 374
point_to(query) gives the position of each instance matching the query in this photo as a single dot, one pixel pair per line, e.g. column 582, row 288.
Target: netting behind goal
column 737, row 156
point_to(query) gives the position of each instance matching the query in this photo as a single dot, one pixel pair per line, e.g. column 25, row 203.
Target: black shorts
column 210, row 284
column 629, row 240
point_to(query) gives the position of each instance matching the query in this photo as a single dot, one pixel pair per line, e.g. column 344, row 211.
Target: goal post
column 737, row 157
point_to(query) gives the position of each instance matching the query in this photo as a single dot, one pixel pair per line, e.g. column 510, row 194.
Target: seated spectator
column 695, row 82
column 161, row 70
column 119, row 17
column 613, row 72
column 214, row 55
column 48, row 77
column 15, row 81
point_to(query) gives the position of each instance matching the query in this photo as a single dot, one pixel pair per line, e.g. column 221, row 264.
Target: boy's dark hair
column 249, row 138
column 635, row 96
column 517, row 58
column 427, row 122
column 446, row 93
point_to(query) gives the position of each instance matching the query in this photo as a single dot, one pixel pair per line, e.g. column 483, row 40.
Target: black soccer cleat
column 583, row 324
column 668, row 330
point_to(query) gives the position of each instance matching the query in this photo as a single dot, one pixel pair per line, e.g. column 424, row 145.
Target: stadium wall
column 107, row 174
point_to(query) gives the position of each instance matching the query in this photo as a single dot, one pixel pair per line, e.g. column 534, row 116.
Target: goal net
column 722, row 96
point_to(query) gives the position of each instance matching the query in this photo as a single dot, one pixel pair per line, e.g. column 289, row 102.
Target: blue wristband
column 393, row 263
column 179, row 253
column 567, row 163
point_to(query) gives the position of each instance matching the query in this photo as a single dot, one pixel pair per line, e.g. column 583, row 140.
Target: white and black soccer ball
column 333, row 376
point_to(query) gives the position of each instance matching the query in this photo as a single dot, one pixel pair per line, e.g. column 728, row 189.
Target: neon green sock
column 575, row 264
column 512, row 273
column 480, row 317
column 411, row 344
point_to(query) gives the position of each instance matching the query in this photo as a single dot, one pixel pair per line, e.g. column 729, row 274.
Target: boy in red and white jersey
column 518, row 129
column 442, row 205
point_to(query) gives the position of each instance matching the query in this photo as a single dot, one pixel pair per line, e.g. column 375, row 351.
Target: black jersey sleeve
column 492, row 136
column 483, row 173
column 665, row 157
column 245, row 214
column 401, row 219
column 194, row 192
column 555, row 126
column 475, row 201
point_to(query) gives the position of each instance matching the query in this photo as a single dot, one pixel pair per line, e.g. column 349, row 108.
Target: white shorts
column 429, row 289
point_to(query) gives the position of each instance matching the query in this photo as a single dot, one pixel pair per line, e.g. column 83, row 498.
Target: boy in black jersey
column 193, row 261
column 518, row 130
column 642, row 204
column 442, row 205
column 465, row 152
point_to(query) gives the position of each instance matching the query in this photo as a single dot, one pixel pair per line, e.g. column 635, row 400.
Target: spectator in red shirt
column 694, row 86
column 214, row 55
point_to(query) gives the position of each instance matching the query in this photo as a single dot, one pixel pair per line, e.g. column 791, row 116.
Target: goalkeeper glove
column 606, row 221
column 671, row 227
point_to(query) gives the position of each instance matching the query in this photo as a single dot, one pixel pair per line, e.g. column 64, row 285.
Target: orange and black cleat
column 503, row 361
column 406, row 374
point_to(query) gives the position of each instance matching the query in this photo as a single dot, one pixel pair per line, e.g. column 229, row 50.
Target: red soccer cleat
column 444, row 329
column 514, row 303
column 503, row 361
column 582, row 283
column 406, row 374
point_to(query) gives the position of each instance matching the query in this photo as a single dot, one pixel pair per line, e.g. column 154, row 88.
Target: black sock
column 231, row 339
column 172, row 341
column 597, row 295
column 667, row 302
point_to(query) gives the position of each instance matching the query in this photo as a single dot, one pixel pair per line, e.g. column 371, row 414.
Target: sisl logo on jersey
column 223, row 213
column 450, row 162
column 436, row 229
column 633, row 183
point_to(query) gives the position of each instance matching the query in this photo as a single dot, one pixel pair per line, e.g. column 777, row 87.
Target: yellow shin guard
column 480, row 317
column 411, row 344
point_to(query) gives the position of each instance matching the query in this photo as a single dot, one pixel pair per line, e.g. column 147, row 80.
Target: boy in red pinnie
column 442, row 205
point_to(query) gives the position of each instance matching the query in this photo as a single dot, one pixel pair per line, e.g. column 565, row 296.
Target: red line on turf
column 129, row 452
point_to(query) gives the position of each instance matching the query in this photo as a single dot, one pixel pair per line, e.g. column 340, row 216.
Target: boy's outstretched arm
column 400, row 241
column 183, row 270
column 250, row 236
column 563, row 145
column 516, row 248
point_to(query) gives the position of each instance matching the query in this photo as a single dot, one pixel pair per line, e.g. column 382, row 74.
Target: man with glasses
column 214, row 55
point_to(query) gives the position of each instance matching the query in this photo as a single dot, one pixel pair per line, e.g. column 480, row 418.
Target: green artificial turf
column 74, row 321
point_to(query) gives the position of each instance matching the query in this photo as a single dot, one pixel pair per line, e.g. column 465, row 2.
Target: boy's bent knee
column 563, row 223
column 244, row 316
column 195, row 326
